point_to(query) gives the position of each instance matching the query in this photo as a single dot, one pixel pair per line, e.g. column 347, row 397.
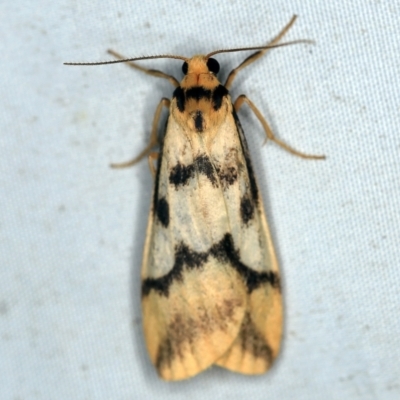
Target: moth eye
column 185, row 67
column 213, row 65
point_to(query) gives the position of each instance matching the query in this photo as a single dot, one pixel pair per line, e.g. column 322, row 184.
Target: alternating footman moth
column 211, row 291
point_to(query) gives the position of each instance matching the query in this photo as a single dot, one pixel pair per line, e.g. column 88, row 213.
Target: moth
column 211, row 289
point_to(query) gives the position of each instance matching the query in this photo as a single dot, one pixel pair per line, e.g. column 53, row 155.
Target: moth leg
column 153, row 72
column 153, row 157
column 153, row 137
column 238, row 103
column 255, row 56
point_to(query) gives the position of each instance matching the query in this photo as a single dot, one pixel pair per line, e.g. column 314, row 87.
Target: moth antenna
column 307, row 41
column 127, row 60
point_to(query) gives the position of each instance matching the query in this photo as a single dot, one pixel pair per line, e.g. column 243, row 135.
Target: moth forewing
column 259, row 338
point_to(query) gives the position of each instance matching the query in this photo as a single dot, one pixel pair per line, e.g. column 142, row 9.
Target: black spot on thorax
column 218, row 94
column 179, row 95
column 198, row 93
column 198, row 121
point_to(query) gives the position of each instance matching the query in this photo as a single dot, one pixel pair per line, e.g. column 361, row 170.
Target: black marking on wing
column 253, row 342
column 198, row 93
column 163, row 211
column 184, row 256
column 223, row 251
column 157, row 178
column 218, row 94
column 246, row 209
column 183, row 330
column 165, row 354
column 180, row 330
column 245, row 149
column 180, row 174
column 227, row 176
column 179, row 95
column 198, row 121
column 204, row 166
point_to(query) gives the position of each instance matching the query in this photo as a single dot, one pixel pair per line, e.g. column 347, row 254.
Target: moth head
column 201, row 63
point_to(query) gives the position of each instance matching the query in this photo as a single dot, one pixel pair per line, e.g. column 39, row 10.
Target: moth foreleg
column 154, row 141
column 270, row 135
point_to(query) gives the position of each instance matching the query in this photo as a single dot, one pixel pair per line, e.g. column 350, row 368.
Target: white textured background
column 72, row 229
